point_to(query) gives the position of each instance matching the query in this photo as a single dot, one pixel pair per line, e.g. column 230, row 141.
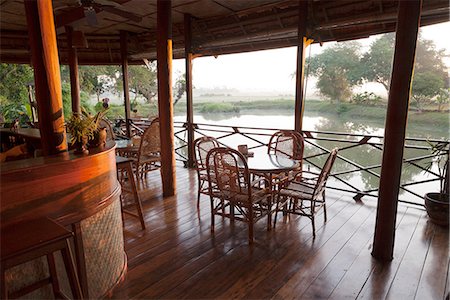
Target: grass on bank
column 325, row 108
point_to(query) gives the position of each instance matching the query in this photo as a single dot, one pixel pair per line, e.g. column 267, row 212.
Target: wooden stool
column 26, row 241
column 125, row 164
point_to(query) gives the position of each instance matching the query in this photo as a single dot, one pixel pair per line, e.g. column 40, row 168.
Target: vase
column 81, row 146
column 437, row 205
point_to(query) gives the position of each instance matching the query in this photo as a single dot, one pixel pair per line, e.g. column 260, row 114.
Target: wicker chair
column 290, row 144
column 149, row 154
column 202, row 146
column 307, row 194
column 246, row 200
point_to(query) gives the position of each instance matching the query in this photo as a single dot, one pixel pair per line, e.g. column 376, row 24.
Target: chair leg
column 250, row 226
column 325, row 211
column 313, row 226
column 200, row 184
column 71, row 274
column 4, row 292
column 212, row 214
column 53, row 276
column 137, row 201
column 269, row 214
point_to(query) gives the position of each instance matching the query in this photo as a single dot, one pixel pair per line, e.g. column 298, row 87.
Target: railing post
column 189, row 99
column 396, row 119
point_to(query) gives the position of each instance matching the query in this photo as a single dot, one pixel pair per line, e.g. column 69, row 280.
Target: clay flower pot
column 81, row 146
column 437, row 206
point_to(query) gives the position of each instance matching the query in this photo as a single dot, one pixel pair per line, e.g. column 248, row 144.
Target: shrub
column 366, row 98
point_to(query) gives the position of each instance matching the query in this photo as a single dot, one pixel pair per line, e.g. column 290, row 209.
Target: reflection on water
column 363, row 156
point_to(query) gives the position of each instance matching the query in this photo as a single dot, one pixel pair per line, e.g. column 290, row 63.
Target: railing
column 358, row 165
column 358, row 161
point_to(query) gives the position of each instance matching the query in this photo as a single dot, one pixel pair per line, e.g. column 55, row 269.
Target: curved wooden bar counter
column 81, row 193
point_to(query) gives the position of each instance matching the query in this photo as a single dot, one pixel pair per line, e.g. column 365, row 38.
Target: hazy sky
column 270, row 70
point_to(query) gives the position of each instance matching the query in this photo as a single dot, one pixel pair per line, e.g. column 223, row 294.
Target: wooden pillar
column 165, row 101
column 73, row 68
column 126, row 91
column 189, row 99
column 395, row 127
column 47, row 77
column 300, row 74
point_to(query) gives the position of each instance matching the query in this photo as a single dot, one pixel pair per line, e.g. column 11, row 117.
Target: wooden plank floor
column 178, row 257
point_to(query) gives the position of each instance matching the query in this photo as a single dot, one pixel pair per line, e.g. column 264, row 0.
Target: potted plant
column 82, row 128
column 437, row 204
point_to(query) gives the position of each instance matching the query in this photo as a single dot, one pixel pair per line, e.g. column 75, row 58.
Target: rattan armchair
column 290, row 144
column 248, row 202
column 305, row 195
column 202, row 146
column 149, row 154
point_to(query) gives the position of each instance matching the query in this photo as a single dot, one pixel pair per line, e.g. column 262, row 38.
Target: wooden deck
column 177, row 257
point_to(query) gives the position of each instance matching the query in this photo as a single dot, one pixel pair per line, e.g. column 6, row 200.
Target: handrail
column 317, row 145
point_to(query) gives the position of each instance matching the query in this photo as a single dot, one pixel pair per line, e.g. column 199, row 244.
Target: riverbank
column 344, row 110
column 286, row 107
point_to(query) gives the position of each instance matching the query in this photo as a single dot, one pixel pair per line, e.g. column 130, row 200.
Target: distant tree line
column 94, row 81
column 343, row 66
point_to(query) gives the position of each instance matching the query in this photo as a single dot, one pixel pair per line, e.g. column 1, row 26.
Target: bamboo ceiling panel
column 218, row 26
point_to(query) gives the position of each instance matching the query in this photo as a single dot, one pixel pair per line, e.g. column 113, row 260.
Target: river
column 364, row 155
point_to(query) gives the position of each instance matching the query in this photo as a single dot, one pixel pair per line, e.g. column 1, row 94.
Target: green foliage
column 143, row 81
column 443, row 98
column 14, row 81
column 366, row 98
column 83, row 125
column 377, row 62
column 334, row 85
column 338, row 69
column 425, row 86
column 218, row 107
column 179, row 88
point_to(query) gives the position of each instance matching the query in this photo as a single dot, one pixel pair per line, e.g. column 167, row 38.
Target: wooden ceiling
column 218, row 26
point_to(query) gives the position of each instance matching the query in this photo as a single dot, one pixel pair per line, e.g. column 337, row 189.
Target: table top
column 271, row 163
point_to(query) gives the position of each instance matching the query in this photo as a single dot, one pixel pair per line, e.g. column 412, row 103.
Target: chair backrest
column 202, row 146
column 231, row 172
column 150, row 140
column 323, row 177
column 288, row 143
column 109, row 130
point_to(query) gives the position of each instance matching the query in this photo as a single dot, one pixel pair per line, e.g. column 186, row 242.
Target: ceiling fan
column 90, row 8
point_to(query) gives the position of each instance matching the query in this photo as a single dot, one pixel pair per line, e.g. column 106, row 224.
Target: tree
column 14, row 81
column 443, row 98
column 338, row 70
column 179, row 88
column 429, row 66
column 425, row 86
column 378, row 60
column 143, row 81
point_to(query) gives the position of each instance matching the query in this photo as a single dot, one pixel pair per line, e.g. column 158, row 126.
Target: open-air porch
column 375, row 244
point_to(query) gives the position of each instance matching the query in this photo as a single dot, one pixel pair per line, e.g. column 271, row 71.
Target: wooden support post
column 165, row 101
column 300, row 74
column 47, row 77
column 73, row 68
column 189, row 106
column 126, row 91
column 394, row 134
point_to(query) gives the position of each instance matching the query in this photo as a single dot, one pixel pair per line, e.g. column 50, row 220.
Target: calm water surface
column 363, row 155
